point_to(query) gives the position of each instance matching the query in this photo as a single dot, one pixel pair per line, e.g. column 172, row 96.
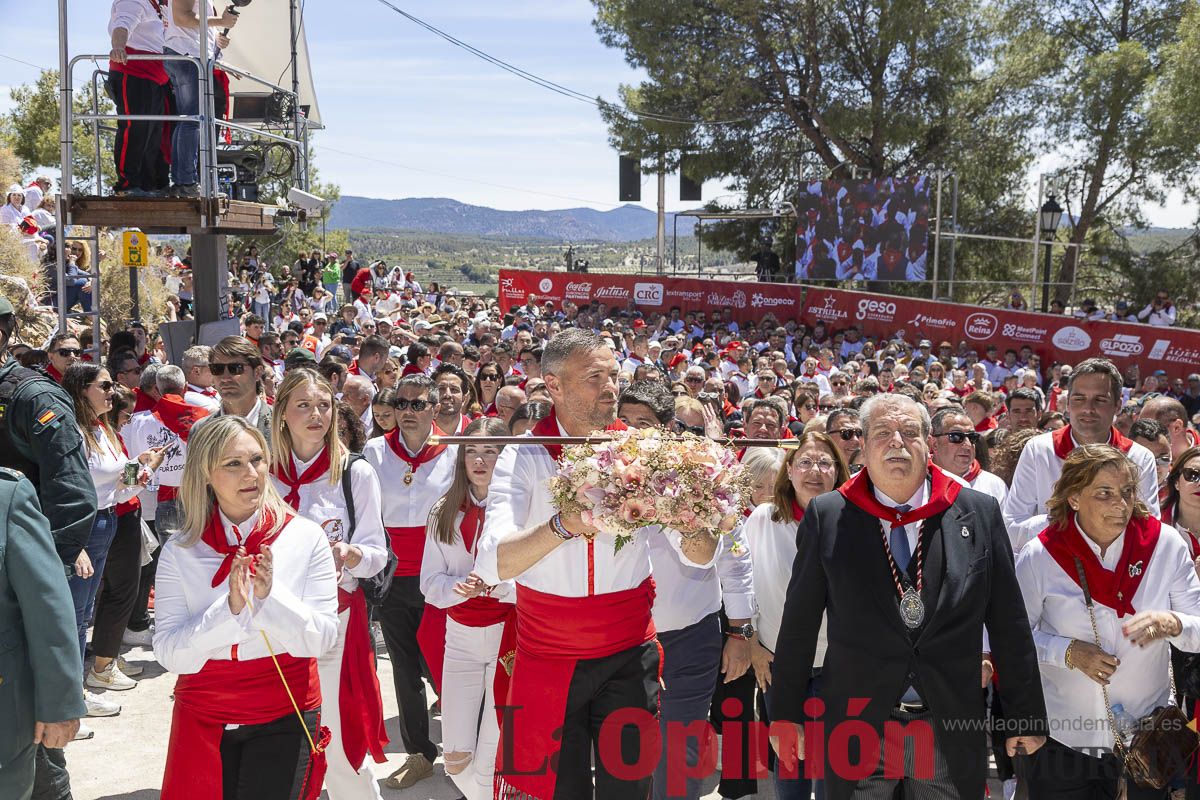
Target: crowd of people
column 250, row 509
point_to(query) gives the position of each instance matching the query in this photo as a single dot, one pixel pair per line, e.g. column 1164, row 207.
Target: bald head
column 508, row 400
column 358, row 391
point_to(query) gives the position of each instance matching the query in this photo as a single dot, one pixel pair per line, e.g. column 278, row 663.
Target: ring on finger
column 1152, row 631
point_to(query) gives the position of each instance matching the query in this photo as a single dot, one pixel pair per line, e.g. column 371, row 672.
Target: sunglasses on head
column 416, row 405
column 1190, row 475
column 958, row 437
column 67, row 352
column 236, row 368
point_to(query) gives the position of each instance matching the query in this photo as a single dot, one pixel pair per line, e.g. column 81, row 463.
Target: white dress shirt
column 192, row 621
column 1057, row 614
column 407, row 505
column 1033, row 483
column 145, row 29
column 195, row 396
column 186, row 41
column 990, row 483
column 519, row 499
column 686, row 593
column 447, row 564
column 325, row 504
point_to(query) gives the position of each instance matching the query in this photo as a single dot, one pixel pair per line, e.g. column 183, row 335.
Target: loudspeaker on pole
column 688, row 188
column 631, row 180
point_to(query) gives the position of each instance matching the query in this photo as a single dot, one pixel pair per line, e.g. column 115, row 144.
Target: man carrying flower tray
column 586, row 645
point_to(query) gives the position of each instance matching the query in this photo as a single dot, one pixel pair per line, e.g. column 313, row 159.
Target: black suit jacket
column 842, row 571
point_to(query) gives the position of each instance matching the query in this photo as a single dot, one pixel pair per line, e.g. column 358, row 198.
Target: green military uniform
column 39, row 645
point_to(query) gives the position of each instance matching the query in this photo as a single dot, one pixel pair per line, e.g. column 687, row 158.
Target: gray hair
column 170, row 380
column 196, row 356
column 568, row 343
column 763, row 462
column 838, row 413
column 149, row 380
column 938, row 422
column 880, row 403
column 1098, row 366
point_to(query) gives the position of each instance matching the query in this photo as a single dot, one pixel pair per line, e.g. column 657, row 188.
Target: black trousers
column 739, row 784
column 1058, row 772
column 50, row 779
column 400, row 616
column 268, row 761
column 137, row 145
column 139, row 616
column 119, row 586
column 599, row 687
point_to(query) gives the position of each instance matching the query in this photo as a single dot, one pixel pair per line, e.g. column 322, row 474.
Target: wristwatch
column 741, row 632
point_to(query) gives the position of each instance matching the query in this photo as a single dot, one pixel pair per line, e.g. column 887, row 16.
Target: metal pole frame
column 65, row 150
column 937, row 235
column 1037, row 234
column 954, row 226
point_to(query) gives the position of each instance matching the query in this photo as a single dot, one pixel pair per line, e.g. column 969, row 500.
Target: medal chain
column 919, row 556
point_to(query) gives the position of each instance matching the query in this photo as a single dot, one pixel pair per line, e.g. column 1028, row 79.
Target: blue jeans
column 185, row 138
column 83, row 590
column 800, row 788
column 691, row 663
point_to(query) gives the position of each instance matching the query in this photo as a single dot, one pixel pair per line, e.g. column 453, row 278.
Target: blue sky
column 394, row 92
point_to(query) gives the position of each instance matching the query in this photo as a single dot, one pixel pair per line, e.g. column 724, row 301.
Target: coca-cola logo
column 1072, row 339
column 612, row 293
column 579, row 290
column 981, row 326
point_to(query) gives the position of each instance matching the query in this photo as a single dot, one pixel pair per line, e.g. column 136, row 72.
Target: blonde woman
column 311, row 468
column 476, row 615
column 245, row 603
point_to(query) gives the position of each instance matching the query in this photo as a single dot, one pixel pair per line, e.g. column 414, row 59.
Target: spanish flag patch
column 46, row 416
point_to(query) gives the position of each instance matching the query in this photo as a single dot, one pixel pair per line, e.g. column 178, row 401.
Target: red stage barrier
column 1053, row 337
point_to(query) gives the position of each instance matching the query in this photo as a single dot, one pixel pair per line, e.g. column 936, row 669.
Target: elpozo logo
column 980, row 326
column 1124, row 345
column 1072, row 339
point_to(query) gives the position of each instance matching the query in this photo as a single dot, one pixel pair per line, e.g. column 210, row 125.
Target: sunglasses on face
column 104, row 386
column 68, row 352
column 682, row 427
column 958, row 437
column 416, row 405
column 850, row 433
column 136, row 368
column 1190, row 475
column 489, row 377
column 236, row 368
column 694, row 380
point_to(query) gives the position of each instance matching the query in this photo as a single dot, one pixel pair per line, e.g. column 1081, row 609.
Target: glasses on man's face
column 958, row 437
column 1162, row 461
column 821, row 465
column 68, row 352
column 693, row 379
column 234, row 368
column 837, row 383
column 825, row 407
column 850, row 433
column 416, row 405
column 136, row 369
column 809, row 407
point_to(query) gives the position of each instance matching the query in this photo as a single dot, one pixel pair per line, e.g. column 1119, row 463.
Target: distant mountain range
column 443, row 215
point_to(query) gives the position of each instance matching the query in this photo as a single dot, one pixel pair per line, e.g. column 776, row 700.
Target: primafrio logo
column 545, row 285
column 980, row 326
column 926, row 321
column 1072, row 339
column 1125, row 345
column 648, row 294
column 876, row 309
column 578, row 290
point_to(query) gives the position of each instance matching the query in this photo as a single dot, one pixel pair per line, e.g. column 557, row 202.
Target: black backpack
column 375, row 588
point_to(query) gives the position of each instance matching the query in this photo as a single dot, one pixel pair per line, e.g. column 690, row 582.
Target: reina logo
column 648, row 294
column 980, row 326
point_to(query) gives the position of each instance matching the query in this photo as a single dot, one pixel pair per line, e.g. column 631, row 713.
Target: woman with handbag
column 1107, row 589
column 316, row 477
column 245, row 603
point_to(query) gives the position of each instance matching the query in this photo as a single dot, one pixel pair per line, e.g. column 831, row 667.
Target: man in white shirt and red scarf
column 1093, row 399
column 414, row 474
column 908, row 566
column 952, row 446
column 586, row 643
column 137, row 87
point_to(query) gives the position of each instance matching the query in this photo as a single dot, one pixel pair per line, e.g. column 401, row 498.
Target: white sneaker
column 131, row 669
column 84, row 732
column 138, row 638
column 110, row 678
column 97, row 706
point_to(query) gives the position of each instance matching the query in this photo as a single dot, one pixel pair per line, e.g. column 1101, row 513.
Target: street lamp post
column 1051, row 215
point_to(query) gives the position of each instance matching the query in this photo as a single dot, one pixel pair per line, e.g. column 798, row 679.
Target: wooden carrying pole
column 570, row 440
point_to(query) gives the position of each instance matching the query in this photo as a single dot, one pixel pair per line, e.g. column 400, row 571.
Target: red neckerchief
column 973, row 471
column 428, row 452
column 1114, row 589
column 943, row 491
column 1064, row 444
column 548, row 426
column 177, row 416
column 144, row 401
column 54, row 374
column 988, row 423
column 286, row 473
column 472, row 523
column 797, row 511
column 214, row 536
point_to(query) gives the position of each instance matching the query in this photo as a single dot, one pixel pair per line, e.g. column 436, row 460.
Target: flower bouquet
column 643, row 477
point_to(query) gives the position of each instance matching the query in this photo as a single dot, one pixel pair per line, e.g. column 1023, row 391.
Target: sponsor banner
column 1054, row 338
column 650, row 294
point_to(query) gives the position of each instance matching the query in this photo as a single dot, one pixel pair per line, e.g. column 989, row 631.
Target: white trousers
column 467, row 674
column 341, row 780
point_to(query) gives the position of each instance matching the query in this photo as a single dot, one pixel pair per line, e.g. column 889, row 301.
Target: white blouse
column 1058, row 614
column 107, row 466
column 686, row 593
column 444, row 565
column 193, row 623
column 325, row 505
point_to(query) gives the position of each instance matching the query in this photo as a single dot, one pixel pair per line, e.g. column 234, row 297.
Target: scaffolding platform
column 174, row 215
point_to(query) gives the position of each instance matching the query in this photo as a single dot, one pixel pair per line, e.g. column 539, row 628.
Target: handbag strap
column 312, row 746
column 1118, row 745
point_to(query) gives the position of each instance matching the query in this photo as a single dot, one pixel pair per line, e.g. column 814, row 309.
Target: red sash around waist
column 360, row 705
column 480, row 612
column 553, row 634
column 167, row 493
column 230, row 693
column 409, row 546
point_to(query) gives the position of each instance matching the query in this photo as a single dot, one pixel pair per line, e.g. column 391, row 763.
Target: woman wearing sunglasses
column 91, row 389
column 315, row 475
column 1181, row 508
column 1107, row 588
column 476, row 614
column 487, row 383
column 813, row 468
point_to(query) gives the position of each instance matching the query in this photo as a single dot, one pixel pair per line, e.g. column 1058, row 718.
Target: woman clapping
column 245, row 602
column 311, row 472
column 1110, row 656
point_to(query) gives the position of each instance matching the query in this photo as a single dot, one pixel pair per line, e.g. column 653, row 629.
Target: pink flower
column 635, row 510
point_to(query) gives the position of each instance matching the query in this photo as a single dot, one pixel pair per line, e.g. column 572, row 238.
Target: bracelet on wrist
column 1067, row 655
column 560, row 530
